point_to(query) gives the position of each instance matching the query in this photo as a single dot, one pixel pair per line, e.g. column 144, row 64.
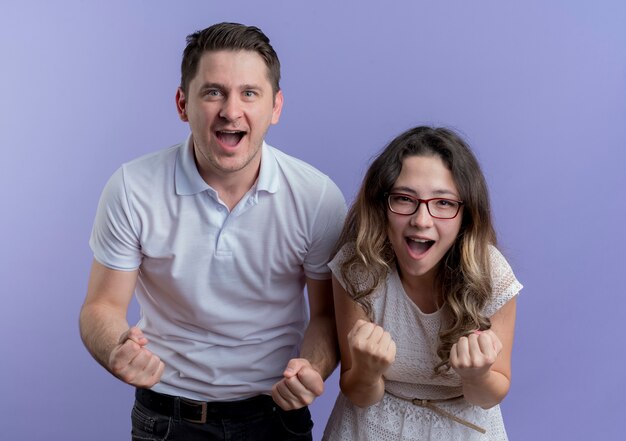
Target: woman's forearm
column 486, row 391
column 361, row 391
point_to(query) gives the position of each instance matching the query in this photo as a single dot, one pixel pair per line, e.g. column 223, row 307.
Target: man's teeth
column 230, row 137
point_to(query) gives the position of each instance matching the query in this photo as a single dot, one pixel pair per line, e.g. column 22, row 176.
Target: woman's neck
column 423, row 291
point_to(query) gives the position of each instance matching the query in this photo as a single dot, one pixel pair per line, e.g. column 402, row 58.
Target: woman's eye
column 445, row 203
column 403, row 199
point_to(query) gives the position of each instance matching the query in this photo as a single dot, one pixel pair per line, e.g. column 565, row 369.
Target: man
column 217, row 237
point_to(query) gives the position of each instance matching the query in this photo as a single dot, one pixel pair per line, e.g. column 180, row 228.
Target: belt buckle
column 201, row 404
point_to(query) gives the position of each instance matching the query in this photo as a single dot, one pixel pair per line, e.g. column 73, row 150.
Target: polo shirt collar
column 268, row 174
column 189, row 182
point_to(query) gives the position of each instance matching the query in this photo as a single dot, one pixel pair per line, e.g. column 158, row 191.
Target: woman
column 425, row 303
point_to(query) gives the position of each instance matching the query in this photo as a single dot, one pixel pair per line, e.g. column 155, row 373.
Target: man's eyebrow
column 250, row 87
column 219, row 86
column 207, row 86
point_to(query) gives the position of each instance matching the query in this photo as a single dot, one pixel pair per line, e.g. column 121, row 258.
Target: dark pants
column 163, row 417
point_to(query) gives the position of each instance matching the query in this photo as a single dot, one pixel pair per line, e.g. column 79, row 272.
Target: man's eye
column 249, row 94
column 213, row 92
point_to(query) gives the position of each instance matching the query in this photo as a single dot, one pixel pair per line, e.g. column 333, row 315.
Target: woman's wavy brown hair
column 463, row 276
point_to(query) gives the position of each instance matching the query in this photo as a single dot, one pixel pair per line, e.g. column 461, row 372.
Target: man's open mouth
column 230, row 137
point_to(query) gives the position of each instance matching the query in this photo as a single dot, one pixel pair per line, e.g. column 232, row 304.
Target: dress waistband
column 432, row 405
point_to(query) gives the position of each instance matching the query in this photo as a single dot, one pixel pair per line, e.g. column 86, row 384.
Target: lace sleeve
column 505, row 285
column 358, row 274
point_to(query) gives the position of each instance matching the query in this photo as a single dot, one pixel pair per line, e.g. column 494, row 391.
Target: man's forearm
column 319, row 345
column 100, row 330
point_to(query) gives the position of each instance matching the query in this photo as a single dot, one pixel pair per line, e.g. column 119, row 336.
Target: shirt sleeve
column 334, row 265
column 326, row 228
column 505, row 285
column 114, row 240
column 359, row 275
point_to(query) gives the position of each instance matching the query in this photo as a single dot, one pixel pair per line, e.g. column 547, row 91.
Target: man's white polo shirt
column 221, row 293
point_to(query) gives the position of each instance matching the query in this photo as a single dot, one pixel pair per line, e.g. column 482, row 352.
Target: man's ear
column 279, row 99
column 181, row 105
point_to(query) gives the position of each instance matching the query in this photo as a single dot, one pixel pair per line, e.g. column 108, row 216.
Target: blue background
column 538, row 88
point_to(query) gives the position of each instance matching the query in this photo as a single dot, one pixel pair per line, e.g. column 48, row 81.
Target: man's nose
column 231, row 109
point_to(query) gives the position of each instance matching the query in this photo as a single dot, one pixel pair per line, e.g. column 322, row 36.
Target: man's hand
column 299, row 387
column 132, row 363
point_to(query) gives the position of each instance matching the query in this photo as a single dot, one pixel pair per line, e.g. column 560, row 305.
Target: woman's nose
column 422, row 218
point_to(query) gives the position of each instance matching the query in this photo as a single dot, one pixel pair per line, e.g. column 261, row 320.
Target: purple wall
column 538, row 89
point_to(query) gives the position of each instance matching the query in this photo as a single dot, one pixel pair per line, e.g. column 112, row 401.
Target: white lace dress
column 412, row 376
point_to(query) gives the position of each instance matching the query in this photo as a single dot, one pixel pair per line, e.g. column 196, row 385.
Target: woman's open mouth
column 419, row 247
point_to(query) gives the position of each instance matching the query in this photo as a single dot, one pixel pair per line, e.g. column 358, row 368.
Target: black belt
column 201, row 411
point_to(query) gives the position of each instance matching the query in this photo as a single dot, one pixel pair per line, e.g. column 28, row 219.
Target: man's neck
column 232, row 186
column 232, row 192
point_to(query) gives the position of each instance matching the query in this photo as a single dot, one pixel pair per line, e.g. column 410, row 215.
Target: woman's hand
column 473, row 355
column 371, row 348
